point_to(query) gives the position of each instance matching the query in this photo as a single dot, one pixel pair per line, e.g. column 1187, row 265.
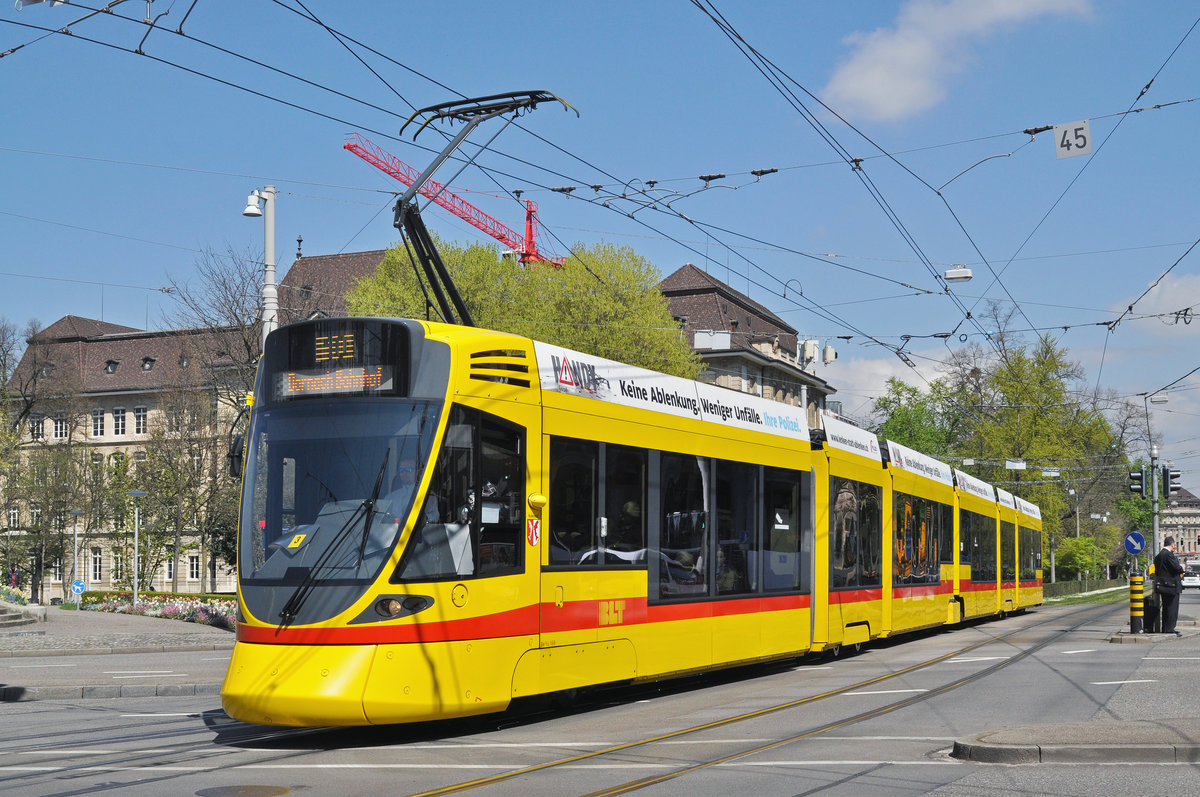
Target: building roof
column 72, row 327
column 319, row 284
column 706, row 303
column 116, row 358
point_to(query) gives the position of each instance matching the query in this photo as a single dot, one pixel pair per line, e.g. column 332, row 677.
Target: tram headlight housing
column 389, row 607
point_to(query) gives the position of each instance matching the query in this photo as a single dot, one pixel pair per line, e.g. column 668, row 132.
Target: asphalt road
column 883, row 722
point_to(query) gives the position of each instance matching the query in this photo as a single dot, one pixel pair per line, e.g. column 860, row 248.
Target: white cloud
column 1172, row 296
column 894, row 73
column 859, row 381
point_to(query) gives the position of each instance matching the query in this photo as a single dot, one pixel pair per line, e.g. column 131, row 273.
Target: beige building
column 108, row 394
column 1179, row 517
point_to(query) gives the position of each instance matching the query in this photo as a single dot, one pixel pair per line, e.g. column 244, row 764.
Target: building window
column 97, row 565
column 35, row 514
column 118, row 421
column 148, row 363
column 97, row 423
column 139, row 420
column 174, row 420
column 37, row 427
column 194, row 566
column 118, row 567
column 170, row 569
column 139, row 456
column 60, row 426
column 110, row 366
column 14, row 517
column 57, row 569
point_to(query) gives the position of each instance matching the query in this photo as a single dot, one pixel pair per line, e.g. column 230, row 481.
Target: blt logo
column 612, row 612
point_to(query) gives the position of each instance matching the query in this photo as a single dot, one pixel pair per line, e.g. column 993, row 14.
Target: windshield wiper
column 290, row 609
column 371, row 510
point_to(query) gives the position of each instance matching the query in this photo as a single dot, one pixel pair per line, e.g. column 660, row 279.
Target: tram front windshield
column 329, row 486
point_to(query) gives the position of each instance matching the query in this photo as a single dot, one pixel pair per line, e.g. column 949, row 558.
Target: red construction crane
column 526, row 247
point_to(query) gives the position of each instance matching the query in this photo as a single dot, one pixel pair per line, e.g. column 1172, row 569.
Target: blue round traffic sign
column 1135, row 543
column 77, row 587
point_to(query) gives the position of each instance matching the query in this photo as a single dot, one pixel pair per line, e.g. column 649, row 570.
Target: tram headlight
column 389, row 607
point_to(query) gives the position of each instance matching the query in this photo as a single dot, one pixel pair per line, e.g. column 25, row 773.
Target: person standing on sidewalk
column 1167, row 572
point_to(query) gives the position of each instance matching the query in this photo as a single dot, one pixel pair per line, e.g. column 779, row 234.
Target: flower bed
column 206, row 609
column 10, row 595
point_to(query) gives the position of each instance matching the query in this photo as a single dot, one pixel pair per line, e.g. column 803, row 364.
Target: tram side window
column 945, row 533
column 574, row 487
column 916, row 539
column 855, row 534
column 597, row 504
column 1029, row 552
column 684, row 532
column 498, row 511
column 1008, row 551
column 966, row 535
column 979, row 546
column 473, row 523
column 624, row 505
column 784, row 563
column 736, row 526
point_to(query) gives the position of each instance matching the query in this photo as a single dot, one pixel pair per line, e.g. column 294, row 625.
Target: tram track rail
column 1086, row 613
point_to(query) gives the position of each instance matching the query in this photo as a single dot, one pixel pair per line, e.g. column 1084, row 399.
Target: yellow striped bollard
column 1136, row 598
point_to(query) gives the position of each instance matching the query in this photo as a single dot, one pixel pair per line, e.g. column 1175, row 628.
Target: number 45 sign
column 1073, row 138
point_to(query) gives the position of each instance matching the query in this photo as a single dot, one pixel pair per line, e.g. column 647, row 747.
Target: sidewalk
column 80, row 654
column 1174, row 739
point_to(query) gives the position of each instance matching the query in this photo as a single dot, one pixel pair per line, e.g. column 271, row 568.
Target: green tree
column 933, row 423
column 1080, row 555
column 13, row 552
column 604, row 301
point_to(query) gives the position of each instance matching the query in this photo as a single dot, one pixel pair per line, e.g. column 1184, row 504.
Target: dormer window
column 110, row 366
column 148, row 363
column 306, row 292
column 183, row 361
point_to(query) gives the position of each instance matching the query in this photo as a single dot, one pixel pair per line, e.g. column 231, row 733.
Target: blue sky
column 120, row 168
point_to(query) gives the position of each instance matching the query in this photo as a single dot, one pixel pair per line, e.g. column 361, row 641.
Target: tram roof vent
column 503, row 366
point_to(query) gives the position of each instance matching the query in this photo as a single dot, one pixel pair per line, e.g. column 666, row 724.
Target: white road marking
column 135, row 672
column 37, row 666
column 1073, row 652
column 884, row 692
column 197, row 716
column 1115, row 683
column 155, row 675
column 971, row 659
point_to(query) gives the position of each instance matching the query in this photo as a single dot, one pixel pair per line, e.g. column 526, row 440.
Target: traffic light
column 1170, row 481
column 1137, row 481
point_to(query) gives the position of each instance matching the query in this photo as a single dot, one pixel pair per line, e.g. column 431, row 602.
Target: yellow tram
column 439, row 519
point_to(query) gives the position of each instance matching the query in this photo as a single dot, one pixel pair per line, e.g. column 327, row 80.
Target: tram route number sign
column 1135, row 543
column 1073, row 138
column 533, row 531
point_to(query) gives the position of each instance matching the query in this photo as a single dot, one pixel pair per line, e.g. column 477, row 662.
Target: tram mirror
column 234, row 456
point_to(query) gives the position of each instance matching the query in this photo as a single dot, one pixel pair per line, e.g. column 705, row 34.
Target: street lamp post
column 270, row 299
column 136, row 495
column 75, row 559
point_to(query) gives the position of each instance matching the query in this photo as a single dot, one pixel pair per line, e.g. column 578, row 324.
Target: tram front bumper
column 302, row 685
